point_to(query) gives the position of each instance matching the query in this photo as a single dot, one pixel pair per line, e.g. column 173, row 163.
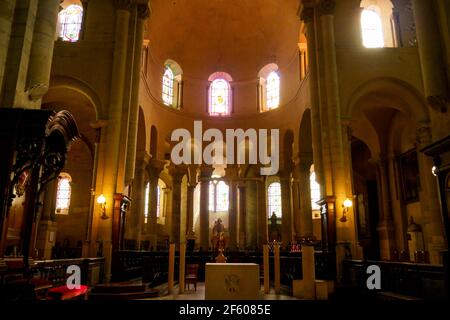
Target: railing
column 153, row 266
column 410, row 279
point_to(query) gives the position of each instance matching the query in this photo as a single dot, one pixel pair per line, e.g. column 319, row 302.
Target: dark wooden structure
column 34, row 146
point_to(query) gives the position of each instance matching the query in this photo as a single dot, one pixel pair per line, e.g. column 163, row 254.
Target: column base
column 46, row 238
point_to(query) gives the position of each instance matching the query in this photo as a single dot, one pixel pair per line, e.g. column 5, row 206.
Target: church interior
column 351, row 96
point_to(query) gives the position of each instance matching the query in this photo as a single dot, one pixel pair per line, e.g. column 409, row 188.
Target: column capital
column 206, row 171
column 439, row 103
column 177, row 173
column 327, row 7
column 143, row 11
column 123, row 4
column 232, row 172
column 154, row 168
column 306, row 14
column 423, row 134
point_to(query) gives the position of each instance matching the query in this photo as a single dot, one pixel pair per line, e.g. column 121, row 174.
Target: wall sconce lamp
column 347, row 204
column 101, row 200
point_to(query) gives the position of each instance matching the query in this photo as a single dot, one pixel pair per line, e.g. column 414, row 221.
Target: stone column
column 177, row 174
column 303, row 171
column 286, row 205
column 429, row 200
column 111, row 155
column 251, row 213
column 190, row 210
column 232, row 174
column 154, row 168
column 136, row 220
column 307, row 15
column 6, row 18
column 42, row 50
column 18, row 56
column 46, row 234
column 431, row 59
column 205, row 176
column 143, row 14
column 386, row 223
column 242, row 215
column 262, row 236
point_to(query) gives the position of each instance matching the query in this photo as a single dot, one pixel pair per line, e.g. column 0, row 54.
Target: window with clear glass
column 218, row 196
column 167, row 89
column 63, row 194
column 147, row 202
column 273, row 91
column 372, row 28
column 70, row 20
column 315, row 191
column 219, row 97
column 274, row 199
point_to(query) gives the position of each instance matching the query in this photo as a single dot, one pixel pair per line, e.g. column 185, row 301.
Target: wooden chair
column 191, row 275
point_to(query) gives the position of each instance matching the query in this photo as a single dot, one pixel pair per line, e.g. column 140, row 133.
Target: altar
column 232, row 281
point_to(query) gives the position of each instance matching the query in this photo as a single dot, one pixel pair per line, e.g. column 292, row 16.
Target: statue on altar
column 274, row 233
column 218, row 240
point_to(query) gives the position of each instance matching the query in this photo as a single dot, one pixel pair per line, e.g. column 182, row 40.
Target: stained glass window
column 158, row 201
column 372, row 28
column 219, row 97
column 167, row 90
column 63, row 194
column 70, row 20
column 273, row 91
column 218, row 196
column 274, row 199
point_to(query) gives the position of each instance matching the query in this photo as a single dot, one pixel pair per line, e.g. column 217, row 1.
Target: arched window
column 147, row 202
column 218, row 196
column 273, row 91
column 70, row 20
column 269, row 88
column 220, row 94
column 274, row 199
column 372, row 28
column 63, row 194
column 167, row 90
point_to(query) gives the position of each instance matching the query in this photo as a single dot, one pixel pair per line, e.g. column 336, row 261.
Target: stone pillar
column 136, row 219
column 18, row 56
column 262, row 236
column 42, row 50
column 251, row 214
column 143, row 14
column 429, row 200
column 47, row 227
column 154, row 168
column 177, row 174
column 205, row 176
column 286, row 205
column 386, row 224
column 242, row 215
column 190, row 210
column 112, row 143
column 431, row 59
column 232, row 174
column 305, row 217
column 307, row 15
column 6, row 18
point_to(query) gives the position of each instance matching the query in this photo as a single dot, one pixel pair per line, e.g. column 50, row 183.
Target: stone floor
column 200, row 294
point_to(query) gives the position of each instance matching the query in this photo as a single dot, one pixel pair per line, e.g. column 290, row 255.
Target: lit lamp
column 345, row 206
column 101, row 200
